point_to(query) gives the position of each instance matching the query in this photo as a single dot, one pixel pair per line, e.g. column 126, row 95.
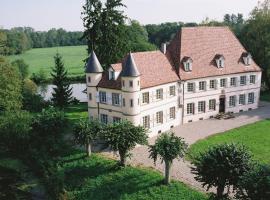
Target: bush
column 255, row 184
column 221, row 166
column 39, row 78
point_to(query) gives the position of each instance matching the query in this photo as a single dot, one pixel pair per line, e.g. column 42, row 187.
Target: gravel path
column 193, row 132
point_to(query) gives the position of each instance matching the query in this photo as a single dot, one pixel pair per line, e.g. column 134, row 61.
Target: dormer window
column 247, row 58
column 220, row 60
column 112, row 75
column 187, row 62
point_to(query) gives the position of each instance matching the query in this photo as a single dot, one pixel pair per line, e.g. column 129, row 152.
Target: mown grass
column 256, row 137
column 43, row 58
column 100, row 178
column 76, row 112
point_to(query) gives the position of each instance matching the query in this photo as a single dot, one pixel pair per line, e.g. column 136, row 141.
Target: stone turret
column 93, row 72
column 131, row 85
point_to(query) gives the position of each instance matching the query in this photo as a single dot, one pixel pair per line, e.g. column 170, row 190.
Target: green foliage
column 22, row 68
column 256, row 38
column 168, row 147
column 62, row 93
column 85, row 132
column 98, row 178
column 15, row 130
column 255, row 184
column 10, row 87
column 105, row 24
column 221, row 166
column 123, row 137
column 255, row 137
column 39, row 77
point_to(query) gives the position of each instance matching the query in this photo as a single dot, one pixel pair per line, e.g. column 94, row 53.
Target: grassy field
column 99, row 178
column 42, row 58
column 76, row 112
column 254, row 136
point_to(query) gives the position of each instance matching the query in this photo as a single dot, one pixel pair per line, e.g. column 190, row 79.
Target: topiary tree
column 221, row 166
column 168, row 147
column 123, row 137
column 85, row 132
column 255, row 184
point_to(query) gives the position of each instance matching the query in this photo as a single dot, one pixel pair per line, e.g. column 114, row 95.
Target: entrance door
column 222, row 105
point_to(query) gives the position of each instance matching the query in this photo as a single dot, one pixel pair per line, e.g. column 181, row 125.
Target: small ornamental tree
column 168, row 147
column 85, row 132
column 221, row 166
column 123, row 137
column 62, row 93
column 255, row 184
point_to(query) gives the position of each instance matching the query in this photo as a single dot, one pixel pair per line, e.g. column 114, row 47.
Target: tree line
column 20, row 39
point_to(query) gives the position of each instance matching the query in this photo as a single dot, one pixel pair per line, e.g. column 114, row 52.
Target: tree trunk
column 88, row 149
column 122, row 159
column 220, row 191
column 167, row 172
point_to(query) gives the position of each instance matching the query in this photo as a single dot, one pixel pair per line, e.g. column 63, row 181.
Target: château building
column 202, row 72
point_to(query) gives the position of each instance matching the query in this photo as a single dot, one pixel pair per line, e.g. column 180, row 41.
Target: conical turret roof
column 130, row 69
column 93, row 65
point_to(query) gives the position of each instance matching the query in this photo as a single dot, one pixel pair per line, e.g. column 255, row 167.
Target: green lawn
column 265, row 96
column 99, row 178
column 76, row 112
column 42, row 58
column 254, row 136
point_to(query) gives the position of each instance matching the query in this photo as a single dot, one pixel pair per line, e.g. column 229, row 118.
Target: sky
column 45, row 14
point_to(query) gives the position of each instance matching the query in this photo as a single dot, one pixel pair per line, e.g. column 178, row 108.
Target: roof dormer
column 187, row 62
column 247, row 58
column 220, row 60
column 113, row 74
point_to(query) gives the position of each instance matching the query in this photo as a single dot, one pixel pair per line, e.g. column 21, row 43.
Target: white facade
column 165, row 106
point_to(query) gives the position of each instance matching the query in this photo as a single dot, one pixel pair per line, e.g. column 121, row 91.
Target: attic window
column 187, row 62
column 247, row 58
column 220, row 60
column 111, row 75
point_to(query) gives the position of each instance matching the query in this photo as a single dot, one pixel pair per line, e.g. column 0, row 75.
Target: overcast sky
column 46, row 14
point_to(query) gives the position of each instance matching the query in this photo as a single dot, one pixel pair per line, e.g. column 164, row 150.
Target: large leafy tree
column 221, row 166
column 10, row 87
column 22, row 67
column 123, row 137
column 105, row 30
column 15, row 130
column 168, row 147
column 255, row 184
column 256, row 38
column 85, row 132
column 62, row 93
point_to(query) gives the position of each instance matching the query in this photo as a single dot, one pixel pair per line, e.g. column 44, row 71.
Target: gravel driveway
column 193, row 132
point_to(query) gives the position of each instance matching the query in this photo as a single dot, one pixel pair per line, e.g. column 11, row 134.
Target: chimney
column 163, row 48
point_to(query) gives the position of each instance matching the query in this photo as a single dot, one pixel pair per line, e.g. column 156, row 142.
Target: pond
column 77, row 91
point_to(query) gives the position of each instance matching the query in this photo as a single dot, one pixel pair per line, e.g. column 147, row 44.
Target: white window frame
column 145, row 98
column 190, row 108
column 115, row 99
column 232, row 101
column 159, row 117
column 102, row 97
column 233, row 81
column 172, row 113
column 146, row 121
column 242, row 99
column 223, row 82
column 212, row 84
column 212, row 104
column 104, row 118
column 172, row 90
column 202, row 85
column 159, row 94
column 201, row 106
column 243, row 80
column 189, row 86
column 251, row 98
column 252, row 79
column 116, row 119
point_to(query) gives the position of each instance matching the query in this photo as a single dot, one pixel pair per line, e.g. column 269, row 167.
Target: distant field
column 42, row 58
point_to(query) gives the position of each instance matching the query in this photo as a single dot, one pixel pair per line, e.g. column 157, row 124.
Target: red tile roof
column 154, row 67
column 202, row 44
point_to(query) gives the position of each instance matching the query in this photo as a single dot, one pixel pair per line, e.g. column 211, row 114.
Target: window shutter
column 109, row 98
column 97, row 97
